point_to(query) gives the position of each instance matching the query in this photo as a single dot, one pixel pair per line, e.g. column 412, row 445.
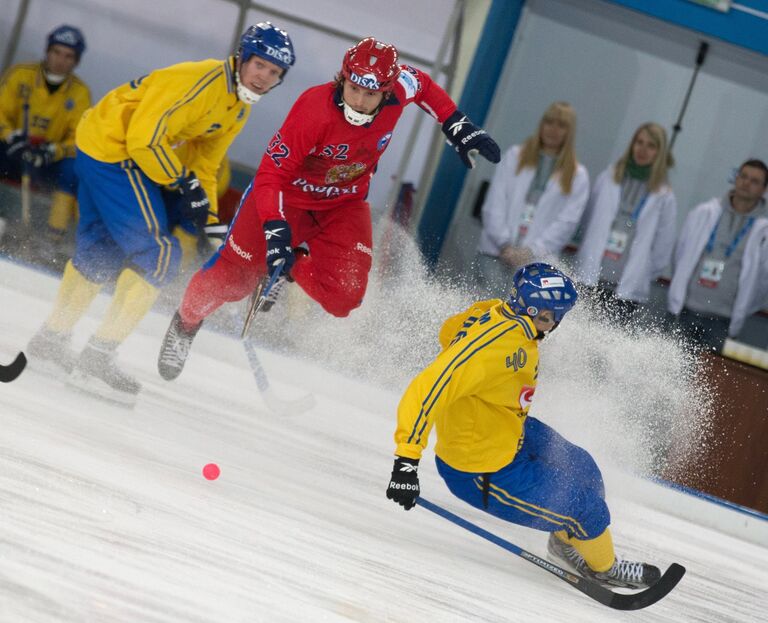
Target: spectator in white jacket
column 721, row 260
column 630, row 223
column 535, row 200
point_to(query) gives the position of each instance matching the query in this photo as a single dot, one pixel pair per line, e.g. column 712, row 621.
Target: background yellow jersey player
column 147, row 159
column 40, row 107
column 490, row 453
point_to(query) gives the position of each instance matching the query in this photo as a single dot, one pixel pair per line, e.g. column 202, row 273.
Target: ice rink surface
column 107, row 518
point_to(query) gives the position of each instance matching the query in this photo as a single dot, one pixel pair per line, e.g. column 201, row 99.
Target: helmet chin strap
column 244, row 93
column 540, row 335
column 54, row 78
column 354, row 117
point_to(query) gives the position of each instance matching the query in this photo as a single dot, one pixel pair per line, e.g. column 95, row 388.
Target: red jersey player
column 311, row 187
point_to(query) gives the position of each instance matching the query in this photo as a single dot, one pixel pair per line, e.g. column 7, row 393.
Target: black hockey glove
column 16, row 144
column 216, row 231
column 404, row 484
column 194, row 202
column 278, row 236
column 468, row 139
column 40, row 156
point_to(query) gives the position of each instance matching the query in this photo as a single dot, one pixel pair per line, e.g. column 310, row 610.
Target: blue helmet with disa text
column 268, row 42
column 540, row 286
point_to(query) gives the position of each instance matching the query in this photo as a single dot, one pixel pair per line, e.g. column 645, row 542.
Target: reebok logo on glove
column 272, row 233
column 454, row 128
column 403, row 486
column 277, row 234
column 468, row 138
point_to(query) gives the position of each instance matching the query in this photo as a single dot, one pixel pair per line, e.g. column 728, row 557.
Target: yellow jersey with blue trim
column 476, row 393
column 148, row 120
column 52, row 116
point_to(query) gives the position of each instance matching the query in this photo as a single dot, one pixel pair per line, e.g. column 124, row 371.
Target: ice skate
column 623, row 573
column 96, row 372
column 50, row 352
column 175, row 348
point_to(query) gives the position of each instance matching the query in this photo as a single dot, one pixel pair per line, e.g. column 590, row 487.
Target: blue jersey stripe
column 444, row 372
column 458, row 365
column 520, row 319
column 211, row 77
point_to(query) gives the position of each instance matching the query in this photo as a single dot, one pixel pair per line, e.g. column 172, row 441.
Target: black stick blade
column 652, row 594
column 11, row 372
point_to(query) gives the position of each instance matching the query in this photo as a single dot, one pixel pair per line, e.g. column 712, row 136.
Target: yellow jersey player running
column 489, row 452
column 147, row 159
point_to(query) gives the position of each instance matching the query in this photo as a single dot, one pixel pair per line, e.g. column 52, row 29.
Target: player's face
column 749, row 184
column 544, row 321
column 259, row 75
column 644, row 149
column 361, row 100
column 553, row 134
column 60, row 60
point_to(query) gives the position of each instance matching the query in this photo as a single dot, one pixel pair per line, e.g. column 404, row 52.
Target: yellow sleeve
column 460, row 370
column 171, row 103
column 451, row 327
column 205, row 157
column 10, row 103
column 66, row 147
column 224, row 176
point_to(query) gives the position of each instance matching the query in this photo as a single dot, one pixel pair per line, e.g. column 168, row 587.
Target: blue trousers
column 550, row 485
column 124, row 222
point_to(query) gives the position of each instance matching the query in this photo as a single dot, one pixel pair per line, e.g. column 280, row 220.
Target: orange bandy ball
column 211, row 471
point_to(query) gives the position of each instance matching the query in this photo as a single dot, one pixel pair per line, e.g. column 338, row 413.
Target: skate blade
column 605, row 583
column 93, row 386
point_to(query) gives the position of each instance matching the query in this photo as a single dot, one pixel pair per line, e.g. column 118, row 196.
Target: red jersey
column 318, row 160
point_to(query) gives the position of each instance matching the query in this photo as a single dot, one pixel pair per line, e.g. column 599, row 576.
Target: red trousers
column 335, row 273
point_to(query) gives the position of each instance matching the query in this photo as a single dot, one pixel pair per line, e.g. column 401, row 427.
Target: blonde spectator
column 630, row 222
column 535, row 201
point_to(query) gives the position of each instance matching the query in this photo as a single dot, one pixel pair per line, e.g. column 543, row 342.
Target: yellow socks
column 63, row 210
column 598, row 553
column 188, row 244
column 75, row 296
column 133, row 298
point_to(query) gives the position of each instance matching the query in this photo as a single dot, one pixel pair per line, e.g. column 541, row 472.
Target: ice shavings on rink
column 107, row 517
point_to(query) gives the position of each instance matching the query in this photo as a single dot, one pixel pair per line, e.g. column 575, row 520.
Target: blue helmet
column 540, row 286
column 268, row 42
column 68, row 36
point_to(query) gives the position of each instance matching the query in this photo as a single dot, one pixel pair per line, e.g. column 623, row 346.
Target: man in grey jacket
column 721, row 260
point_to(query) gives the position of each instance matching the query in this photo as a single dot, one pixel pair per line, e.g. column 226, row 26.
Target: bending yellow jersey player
column 491, row 454
column 147, row 158
column 40, row 107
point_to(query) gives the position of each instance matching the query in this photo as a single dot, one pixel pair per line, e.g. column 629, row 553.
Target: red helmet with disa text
column 371, row 65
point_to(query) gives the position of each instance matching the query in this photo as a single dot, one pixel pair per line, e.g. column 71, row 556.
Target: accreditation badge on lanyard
column 712, row 269
column 617, row 244
column 526, row 219
column 617, row 241
column 711, row 273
